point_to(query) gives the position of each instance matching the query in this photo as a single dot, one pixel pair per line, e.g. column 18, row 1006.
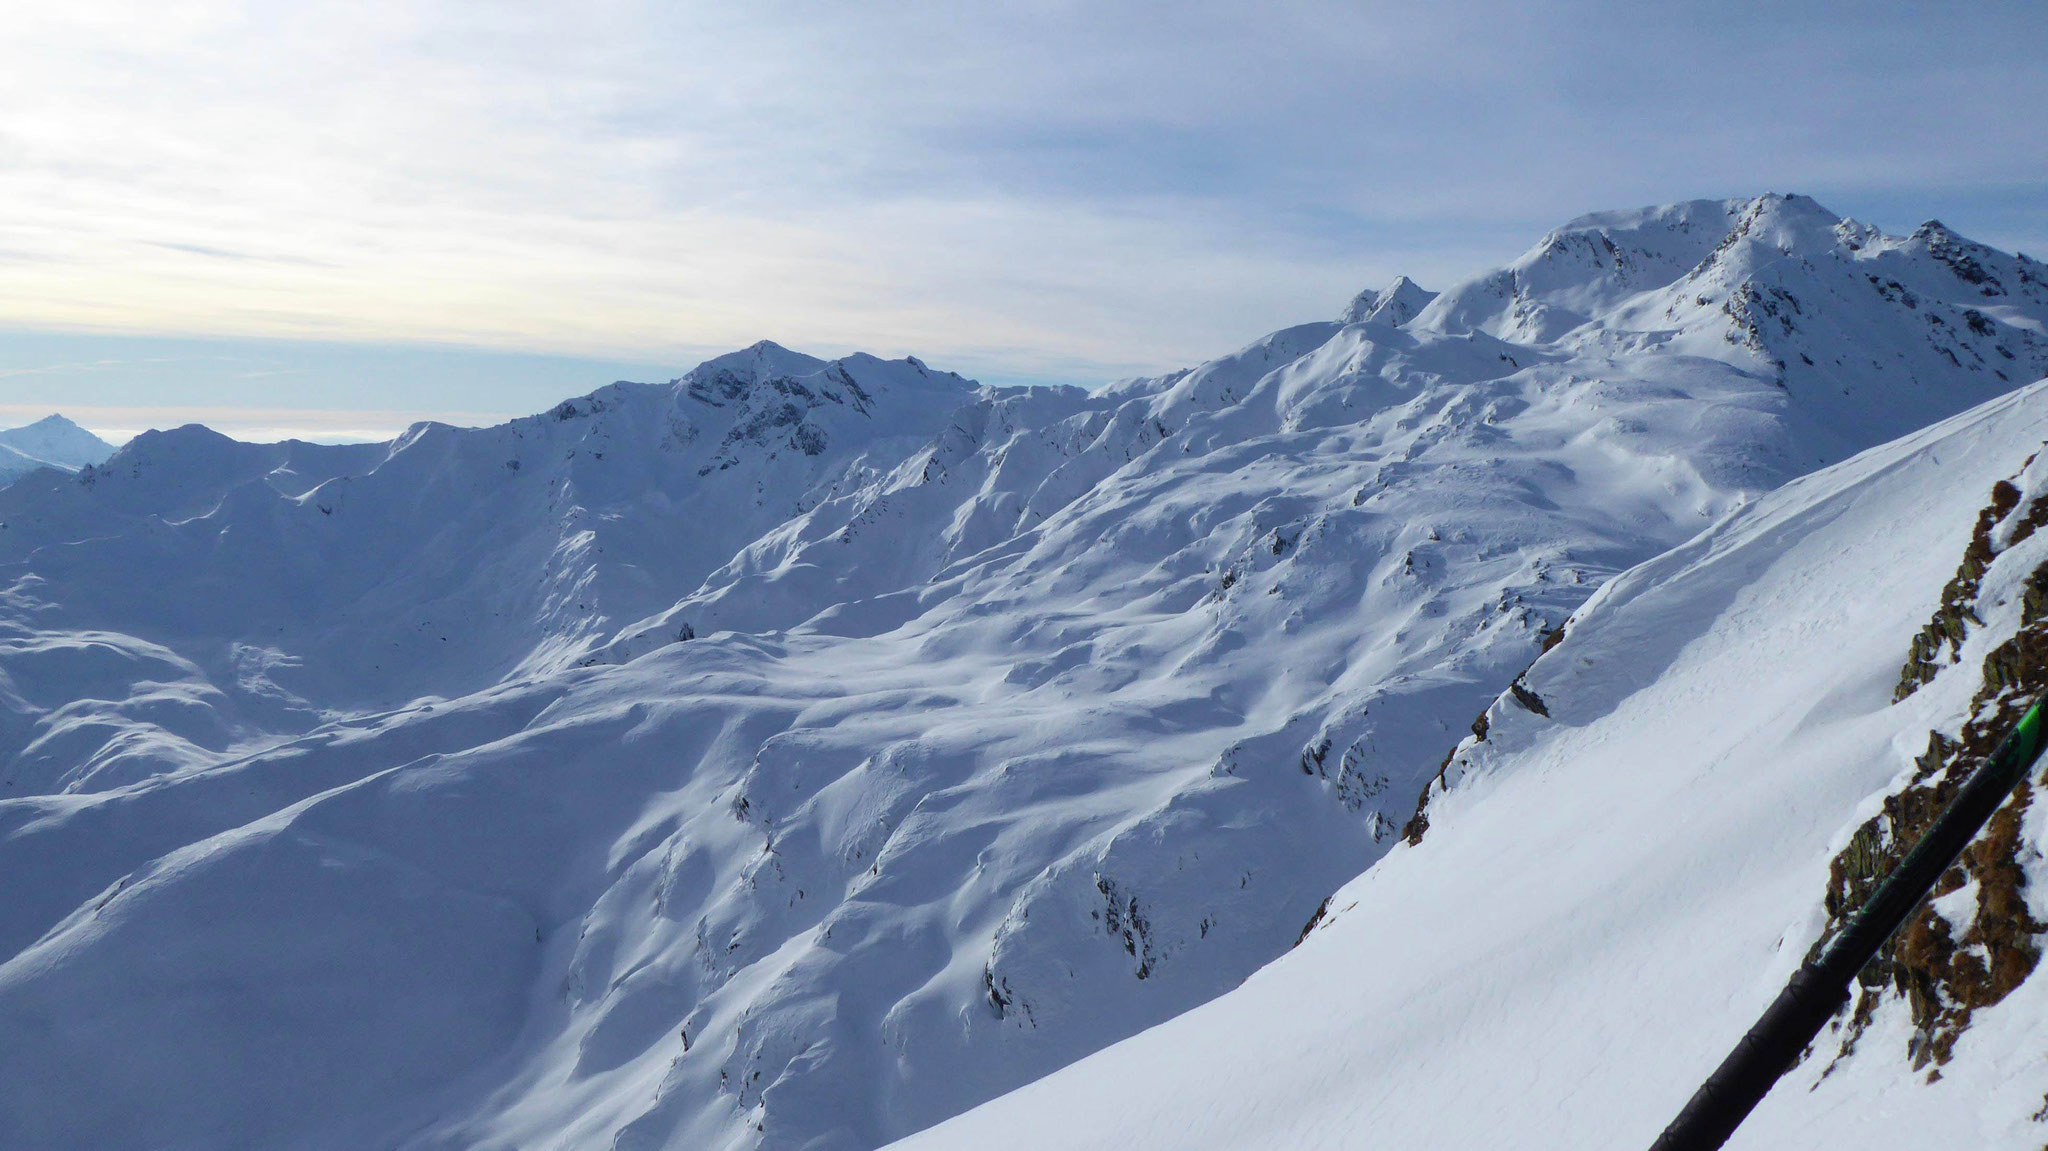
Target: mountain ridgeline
column 800, row 753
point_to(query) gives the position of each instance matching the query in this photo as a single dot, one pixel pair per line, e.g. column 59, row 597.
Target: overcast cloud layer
column 1019, row 191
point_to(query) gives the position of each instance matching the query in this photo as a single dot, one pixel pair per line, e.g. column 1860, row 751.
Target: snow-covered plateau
column 802, row 753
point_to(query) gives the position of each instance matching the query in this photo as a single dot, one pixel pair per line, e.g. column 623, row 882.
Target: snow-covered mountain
column 1610, row 889
column 800, row 753
column 51, row 442
column 1872, row 336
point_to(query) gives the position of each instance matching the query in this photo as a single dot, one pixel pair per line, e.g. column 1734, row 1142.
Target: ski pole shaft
column 1821, row 985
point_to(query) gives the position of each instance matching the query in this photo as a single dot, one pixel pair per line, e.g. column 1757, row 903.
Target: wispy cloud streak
column 1074, row 190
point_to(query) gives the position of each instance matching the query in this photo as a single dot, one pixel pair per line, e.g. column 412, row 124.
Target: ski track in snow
column 801, row 753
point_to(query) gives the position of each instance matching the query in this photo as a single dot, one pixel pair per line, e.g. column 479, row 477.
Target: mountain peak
column 763, row 359
column 1395, row 304
column 726, row 378
column 57, row 442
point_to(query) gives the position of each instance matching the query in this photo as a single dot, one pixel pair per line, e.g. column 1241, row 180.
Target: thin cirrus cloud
column 1042, row 191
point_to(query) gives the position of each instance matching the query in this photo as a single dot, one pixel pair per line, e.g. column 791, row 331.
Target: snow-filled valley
column 802, row 753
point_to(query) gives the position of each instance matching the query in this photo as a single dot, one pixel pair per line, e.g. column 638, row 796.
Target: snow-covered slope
column 1872, row 336
column 1607, row 894
column 316, row 577
column 51, row 442
column 798, row 754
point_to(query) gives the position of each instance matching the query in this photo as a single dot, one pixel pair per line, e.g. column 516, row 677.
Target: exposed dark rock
column 1947, row 971
column 1123, row 919
column 1529, row 699
column 1322, row 909
column 1935, row 646
column 1418, row 823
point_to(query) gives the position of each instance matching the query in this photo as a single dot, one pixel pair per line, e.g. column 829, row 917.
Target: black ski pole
column 1821, row 985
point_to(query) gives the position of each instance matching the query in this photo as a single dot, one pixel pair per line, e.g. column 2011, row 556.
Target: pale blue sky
column 333, row 219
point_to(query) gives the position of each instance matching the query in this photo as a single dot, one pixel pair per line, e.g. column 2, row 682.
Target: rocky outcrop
column 1975, row 939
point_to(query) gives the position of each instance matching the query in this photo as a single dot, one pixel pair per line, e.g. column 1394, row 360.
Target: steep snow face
column 1003, row 723
column 51, row 442
column 1609, row 891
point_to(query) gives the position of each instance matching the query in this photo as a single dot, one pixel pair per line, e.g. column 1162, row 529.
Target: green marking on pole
column 2029, row 730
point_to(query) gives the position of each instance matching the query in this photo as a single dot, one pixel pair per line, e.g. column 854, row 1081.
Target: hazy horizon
column 408, row 210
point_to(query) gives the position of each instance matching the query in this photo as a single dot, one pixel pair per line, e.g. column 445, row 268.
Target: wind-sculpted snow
column 800, row 753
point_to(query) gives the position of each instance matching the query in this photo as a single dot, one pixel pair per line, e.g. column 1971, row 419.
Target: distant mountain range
column 51, row 442
column 799, row 753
